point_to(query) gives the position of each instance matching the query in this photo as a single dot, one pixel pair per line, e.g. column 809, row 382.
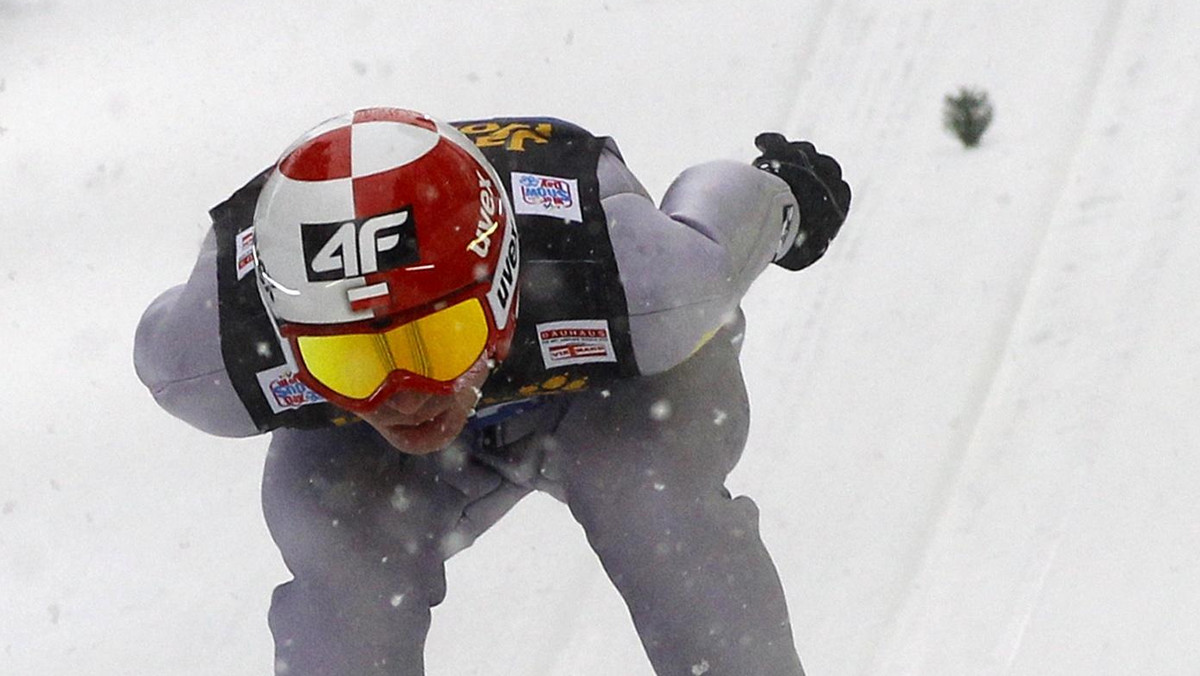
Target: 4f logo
column 355, row 248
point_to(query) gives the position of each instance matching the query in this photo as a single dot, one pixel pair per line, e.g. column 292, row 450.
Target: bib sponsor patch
column 284, row 391
column 538, row 195
column 578, row 341
column 245, row 252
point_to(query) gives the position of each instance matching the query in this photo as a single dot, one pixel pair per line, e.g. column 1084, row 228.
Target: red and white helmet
column 386, row 231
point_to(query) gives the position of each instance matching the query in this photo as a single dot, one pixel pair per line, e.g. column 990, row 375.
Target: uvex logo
column 491, row 209
column 355, row 248
column 504, row 281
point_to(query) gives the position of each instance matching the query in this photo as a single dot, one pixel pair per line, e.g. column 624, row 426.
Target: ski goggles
column 358, row 370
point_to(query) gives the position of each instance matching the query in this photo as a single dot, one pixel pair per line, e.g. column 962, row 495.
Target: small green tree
column 968, row 115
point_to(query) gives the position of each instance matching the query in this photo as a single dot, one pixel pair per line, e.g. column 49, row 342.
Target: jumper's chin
column 418, row 422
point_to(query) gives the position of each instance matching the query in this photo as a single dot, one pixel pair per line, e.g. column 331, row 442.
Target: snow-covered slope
column 974, row 440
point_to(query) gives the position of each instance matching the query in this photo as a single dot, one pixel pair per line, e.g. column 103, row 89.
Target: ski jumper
column 622, row 397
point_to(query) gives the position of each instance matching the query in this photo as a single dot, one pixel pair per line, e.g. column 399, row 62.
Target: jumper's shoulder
column 177, row 354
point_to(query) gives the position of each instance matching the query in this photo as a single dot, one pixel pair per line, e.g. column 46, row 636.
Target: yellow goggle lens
column 352, row 365
column 440, row 346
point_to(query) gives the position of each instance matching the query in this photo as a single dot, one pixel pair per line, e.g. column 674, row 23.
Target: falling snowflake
column 400, row 501
column 719, row 416
column 660, row 410
column 698, row 669
column 397, row 599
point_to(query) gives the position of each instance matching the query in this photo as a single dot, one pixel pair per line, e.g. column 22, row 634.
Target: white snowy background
column 976, row 435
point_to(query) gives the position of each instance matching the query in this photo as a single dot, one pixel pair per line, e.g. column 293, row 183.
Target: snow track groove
column 811, row 36
column 907, row 644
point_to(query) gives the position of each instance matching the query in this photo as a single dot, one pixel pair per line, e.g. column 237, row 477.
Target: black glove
column 816, row 181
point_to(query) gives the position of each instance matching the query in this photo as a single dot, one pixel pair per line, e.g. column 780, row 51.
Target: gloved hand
column 816, row 181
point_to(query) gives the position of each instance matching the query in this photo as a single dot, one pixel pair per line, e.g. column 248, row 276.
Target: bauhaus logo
column 360, row 247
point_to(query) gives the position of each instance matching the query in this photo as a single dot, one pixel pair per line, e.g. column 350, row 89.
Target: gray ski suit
column 640, row 461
